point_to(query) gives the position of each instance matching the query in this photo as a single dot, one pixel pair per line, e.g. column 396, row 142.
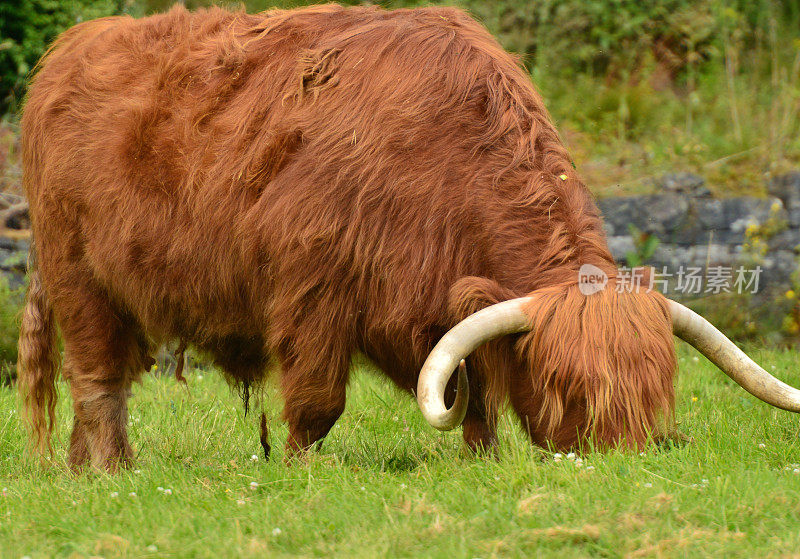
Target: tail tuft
column 37, row 365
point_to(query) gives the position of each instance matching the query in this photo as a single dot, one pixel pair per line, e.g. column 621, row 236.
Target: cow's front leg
column 479, row 425
column 479, row 435
column 314, row 400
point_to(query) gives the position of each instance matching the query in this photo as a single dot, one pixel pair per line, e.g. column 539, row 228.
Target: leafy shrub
column 644, row 247
column 10, row 165
column 10, row 304
column 758, row 235
column 26, row 29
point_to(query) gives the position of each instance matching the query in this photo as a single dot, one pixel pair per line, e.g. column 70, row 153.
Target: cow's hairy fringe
column 609, row 354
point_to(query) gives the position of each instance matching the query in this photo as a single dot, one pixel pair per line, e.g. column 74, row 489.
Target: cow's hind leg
column 78, row 445
column 103, row 356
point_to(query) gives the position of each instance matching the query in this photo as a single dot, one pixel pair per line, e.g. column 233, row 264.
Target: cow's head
column 579, row 362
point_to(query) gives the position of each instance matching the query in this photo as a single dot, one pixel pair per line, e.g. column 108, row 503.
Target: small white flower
column 253, row 485
column 762, row 445
column 137, row 472
column 152, row 548
column 114, row 494
column 642, row 453
column 254, row 458
column 796, row 471
column 695, row 359
column 557, row 457
column 199, row 377
column 704, row 481
column 589, row 468
column 168, row 492
column 402, row 486
column 648, row 484
column 276, row 531
column 159, row 488
column 571, row 456
column 395, row 418
column 132, row 494
column 363, row 488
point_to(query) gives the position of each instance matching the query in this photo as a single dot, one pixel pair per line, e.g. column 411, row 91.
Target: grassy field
column 386, row 484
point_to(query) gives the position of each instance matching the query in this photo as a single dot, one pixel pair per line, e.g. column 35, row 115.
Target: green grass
column 386, row 484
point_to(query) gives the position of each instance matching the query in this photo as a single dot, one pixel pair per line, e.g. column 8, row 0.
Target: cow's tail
column 38, row 364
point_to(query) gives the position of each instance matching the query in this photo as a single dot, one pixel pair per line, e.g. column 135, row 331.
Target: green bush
column 26, row 29
column 613, row 38
column 10, row 304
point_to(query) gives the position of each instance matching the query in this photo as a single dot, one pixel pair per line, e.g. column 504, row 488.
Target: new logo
column 591, row 279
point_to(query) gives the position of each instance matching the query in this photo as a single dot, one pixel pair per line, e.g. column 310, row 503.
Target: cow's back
column 219, row 171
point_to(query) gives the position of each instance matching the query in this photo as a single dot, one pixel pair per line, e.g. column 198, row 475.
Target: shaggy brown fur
column 302, row 185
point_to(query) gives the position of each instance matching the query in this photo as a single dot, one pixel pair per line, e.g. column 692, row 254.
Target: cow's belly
column 180, row 281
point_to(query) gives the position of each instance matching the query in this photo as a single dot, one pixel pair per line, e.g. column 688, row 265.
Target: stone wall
column 13, row 259
column 696, row 230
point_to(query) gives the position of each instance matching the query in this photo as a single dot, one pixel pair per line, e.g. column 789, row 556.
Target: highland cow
column 298, row 186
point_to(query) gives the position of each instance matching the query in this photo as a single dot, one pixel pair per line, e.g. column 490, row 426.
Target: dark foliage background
column 612, row 39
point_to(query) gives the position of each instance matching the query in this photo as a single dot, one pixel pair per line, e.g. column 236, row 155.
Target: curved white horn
column 698, row 332
column 489, row 323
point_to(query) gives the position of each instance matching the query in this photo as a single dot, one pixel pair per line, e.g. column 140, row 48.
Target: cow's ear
column 470, row 294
